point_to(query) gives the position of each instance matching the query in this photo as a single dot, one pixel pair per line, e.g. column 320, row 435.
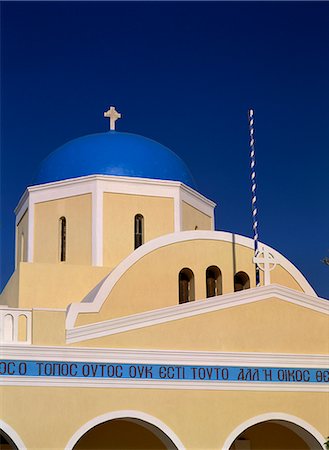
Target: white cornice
column 78, row 184
column 162, row 384
column 138, row 356
column 191, row 309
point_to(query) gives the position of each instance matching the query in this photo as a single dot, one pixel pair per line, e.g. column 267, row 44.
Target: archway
column 9, row 439
column 275, row 431
column 124, row 430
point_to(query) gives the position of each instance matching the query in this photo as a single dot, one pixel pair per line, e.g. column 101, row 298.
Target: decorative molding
column 162, row 384
column 94, row 304
column 275, row 416
column 146, row 419
column 178, row 357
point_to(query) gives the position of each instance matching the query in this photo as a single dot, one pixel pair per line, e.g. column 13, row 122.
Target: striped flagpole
column 253, row 188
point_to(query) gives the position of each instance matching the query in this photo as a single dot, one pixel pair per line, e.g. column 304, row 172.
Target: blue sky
column 184, row 74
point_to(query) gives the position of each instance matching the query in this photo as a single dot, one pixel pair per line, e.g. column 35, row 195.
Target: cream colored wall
column 192, row 218
column 22, row 237
column 201, row 419
column 9, row 295
column 77, row 211
column 265, row 326
column 48, row 327
column 119, row 214
column 56, row 285
column 133, row 294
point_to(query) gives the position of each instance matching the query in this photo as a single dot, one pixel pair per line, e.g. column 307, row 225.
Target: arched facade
column 306, row 432
column 154, row 425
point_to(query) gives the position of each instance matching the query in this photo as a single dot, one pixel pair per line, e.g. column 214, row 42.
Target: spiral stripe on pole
column 253, row 188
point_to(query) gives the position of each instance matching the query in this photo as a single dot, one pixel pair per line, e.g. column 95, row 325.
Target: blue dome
column 113, row 153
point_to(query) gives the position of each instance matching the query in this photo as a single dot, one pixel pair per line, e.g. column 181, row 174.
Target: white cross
column 113, row 114
column 266, row 262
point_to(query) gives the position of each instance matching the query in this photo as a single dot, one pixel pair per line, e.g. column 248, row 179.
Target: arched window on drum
column 139, row 230
column 213, row 281
column 62, row 239
column 186, row 285
column 241, row 281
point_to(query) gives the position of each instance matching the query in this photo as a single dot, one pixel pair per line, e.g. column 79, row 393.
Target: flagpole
column 253, row 189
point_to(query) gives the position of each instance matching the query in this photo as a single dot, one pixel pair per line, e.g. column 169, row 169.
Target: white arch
column 127, row 414
column 95, row 299
column 278, row 418
column 11, row 433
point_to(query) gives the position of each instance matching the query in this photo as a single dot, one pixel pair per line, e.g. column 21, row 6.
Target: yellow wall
column 9, row 295
column 201, row 419
column 161, row 268
column 48, row 327
column 22, row 238
column 77, row 211
column 192, row 218
column 56, row 285
column 119, row 214
column 264, row 326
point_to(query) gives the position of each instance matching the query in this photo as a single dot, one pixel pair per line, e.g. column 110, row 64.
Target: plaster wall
column 56, row 285
column 119, row 213
column 269, row 326
column 77, row 211
column 192, row 218
column 9, row 295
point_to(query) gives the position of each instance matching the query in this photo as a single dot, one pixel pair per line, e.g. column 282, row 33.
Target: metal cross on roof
column 266, row 262
column 113, row 115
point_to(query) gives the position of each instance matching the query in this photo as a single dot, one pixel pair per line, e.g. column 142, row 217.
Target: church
column 130, row 323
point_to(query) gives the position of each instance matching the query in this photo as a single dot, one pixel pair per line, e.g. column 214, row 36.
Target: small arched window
column 22, row 248
column 241, row 281
column 213, row 281
column 139, row 230
column 186, row 286
column 62, row 239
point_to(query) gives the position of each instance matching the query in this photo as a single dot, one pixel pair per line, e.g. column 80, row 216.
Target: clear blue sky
column 185, row 75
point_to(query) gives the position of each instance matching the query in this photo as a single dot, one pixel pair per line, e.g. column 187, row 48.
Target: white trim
column 13, row 435
column 30, row 231
column 95, row 304
column 277, row 416
column 126, row 414
column 174, row 357
column 97, row 225
column 163, row 384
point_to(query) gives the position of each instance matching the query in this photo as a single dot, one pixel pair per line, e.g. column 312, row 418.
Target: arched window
column 139, row 230
column 186, row 286
column 241, row 281
column 62, row 239
column 213, row 281
column 22, row 248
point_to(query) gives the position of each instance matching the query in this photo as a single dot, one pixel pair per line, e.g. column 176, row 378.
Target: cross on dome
column 113, row 115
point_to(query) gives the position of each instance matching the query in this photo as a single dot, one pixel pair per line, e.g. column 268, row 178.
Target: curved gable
column 137, row 283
